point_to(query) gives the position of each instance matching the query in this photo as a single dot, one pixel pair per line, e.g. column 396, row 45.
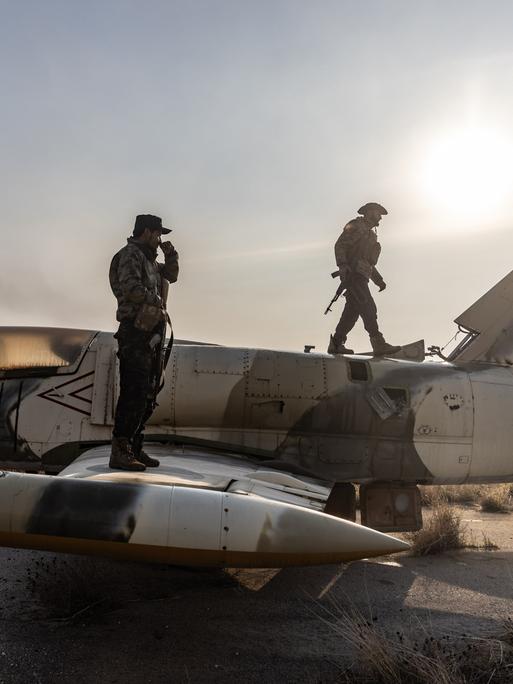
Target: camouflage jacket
column 358, row 249
column 136, row 276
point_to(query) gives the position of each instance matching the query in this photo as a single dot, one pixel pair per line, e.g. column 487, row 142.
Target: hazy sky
column 256, row 130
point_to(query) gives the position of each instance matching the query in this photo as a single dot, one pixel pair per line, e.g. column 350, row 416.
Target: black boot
column 335, row 347
column 382, row 348
column 141, row 455
column 122, row 457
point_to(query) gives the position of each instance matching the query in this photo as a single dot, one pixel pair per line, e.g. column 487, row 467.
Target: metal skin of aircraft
column 257, row 446
column 205, row 504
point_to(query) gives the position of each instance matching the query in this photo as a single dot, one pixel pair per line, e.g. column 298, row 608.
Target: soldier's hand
column 382, row 287
column 156, row 300
column 167, row 247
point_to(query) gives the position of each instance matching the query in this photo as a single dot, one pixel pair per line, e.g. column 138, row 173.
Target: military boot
column 141, row 455
column 382, row 348
column 335, row 347
column 122, row 457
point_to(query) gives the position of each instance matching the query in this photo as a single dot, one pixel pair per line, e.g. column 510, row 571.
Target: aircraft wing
column 203, row 468
column 199, row 507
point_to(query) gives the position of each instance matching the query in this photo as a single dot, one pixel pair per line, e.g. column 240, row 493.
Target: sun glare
column 469, row 172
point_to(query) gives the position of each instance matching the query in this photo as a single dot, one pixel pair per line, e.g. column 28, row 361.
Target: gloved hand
column 167, row 248
column 382, row 286
column 154, row 299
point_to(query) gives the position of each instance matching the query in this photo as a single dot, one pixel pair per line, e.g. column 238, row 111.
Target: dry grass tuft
column 507, row 634
column 492, row 498
column 442, row 532
column 434, row 495
column 400, row 659
column 486, row 543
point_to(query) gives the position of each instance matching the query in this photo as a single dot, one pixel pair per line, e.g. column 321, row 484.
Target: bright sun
column 469, row 172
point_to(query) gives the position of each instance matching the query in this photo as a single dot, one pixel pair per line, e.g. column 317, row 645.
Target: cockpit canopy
column 27, row 350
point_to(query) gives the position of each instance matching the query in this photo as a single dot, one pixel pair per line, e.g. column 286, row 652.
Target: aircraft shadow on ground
column 258, row 621
column 51, row 576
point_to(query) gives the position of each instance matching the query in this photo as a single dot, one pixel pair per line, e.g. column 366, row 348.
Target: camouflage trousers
column 359, row 302
column 137, row 378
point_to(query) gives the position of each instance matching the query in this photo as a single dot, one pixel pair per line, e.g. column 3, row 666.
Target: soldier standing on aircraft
column 136, row 279
column 356, row 252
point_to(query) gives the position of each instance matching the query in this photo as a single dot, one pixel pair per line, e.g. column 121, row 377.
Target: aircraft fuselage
column 344, row 419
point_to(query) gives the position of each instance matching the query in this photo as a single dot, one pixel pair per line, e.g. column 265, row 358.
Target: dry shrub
column 383, row 659
column 497, row 499
column 442, row 532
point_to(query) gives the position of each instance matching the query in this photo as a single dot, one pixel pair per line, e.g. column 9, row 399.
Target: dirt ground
column 93, row 620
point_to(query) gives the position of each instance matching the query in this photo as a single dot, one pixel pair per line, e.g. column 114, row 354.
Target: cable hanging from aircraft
column 435, row 350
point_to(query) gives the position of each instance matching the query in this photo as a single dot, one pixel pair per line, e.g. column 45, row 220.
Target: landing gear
column 342, row 501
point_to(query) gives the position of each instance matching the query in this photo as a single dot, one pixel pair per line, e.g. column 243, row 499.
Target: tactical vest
column 360, row 246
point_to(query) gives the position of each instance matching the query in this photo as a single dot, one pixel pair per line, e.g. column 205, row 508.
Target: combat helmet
column 370, row 206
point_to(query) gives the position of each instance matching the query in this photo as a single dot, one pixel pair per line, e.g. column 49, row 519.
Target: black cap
column 372, row 205
column 143, row 221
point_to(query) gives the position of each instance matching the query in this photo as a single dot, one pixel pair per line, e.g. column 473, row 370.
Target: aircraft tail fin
column 489, row 327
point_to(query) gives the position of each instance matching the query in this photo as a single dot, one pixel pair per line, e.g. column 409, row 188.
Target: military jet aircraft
column 254, row 443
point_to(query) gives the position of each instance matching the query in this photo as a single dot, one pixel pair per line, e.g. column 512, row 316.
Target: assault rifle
column 340, row 290
column 161, row 352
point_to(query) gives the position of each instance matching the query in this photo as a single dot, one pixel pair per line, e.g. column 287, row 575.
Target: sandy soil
column 87, row 620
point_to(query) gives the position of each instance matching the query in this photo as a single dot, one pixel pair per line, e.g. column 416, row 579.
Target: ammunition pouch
column 148, row 316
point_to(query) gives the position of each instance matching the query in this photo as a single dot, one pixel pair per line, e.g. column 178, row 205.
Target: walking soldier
column 357, row 251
